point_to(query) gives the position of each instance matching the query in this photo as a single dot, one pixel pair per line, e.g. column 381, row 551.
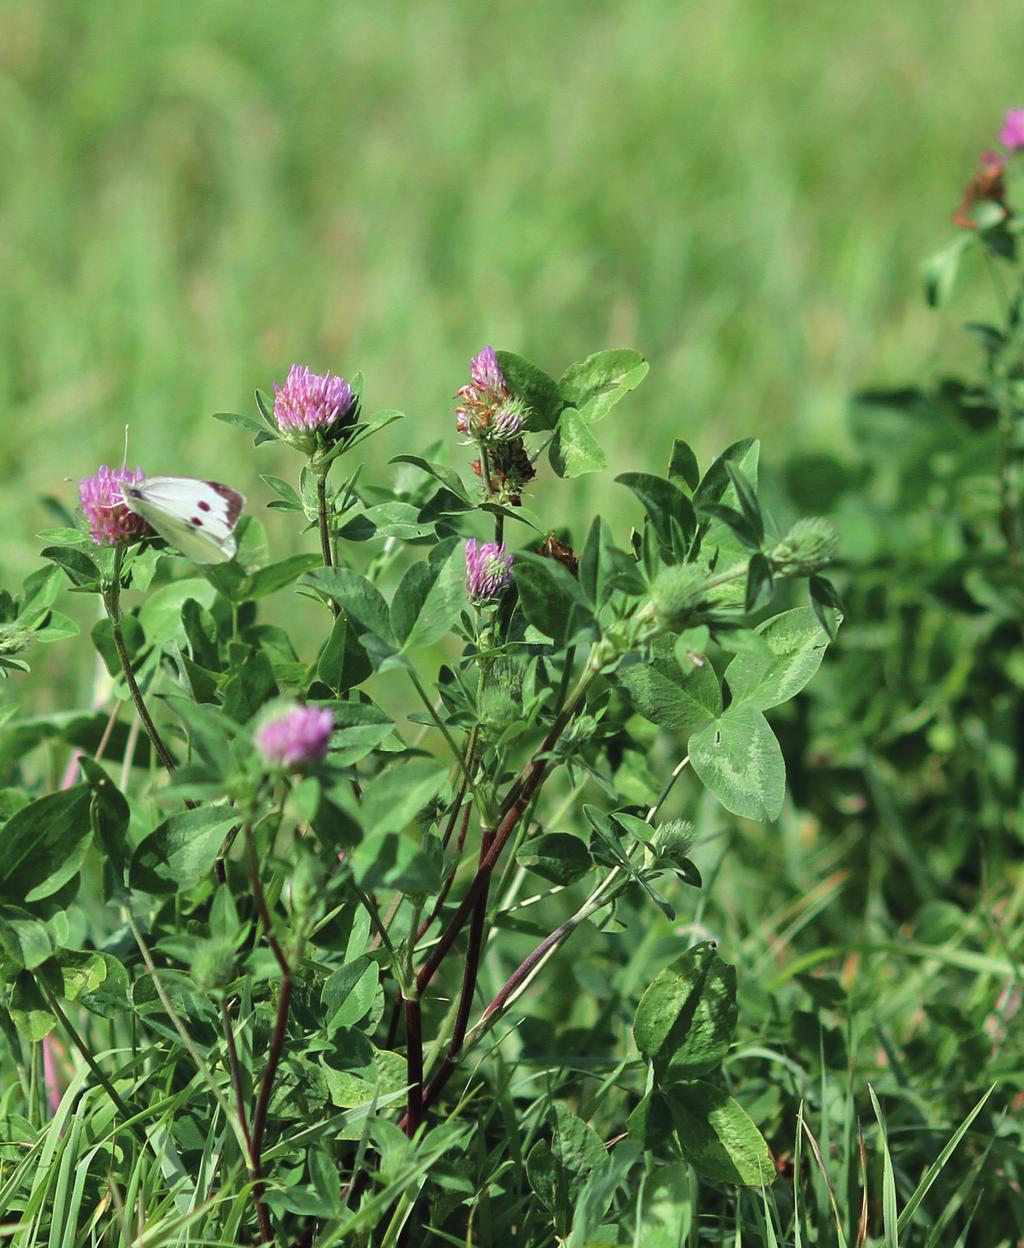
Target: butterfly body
column 196, row 517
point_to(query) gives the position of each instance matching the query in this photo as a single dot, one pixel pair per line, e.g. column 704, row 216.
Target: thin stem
column 112, row 601
column 442, row 727
column 255, row 1171
column 414, row 1065
column 534, row 962
column 325, row 530
column 83, row 1049
column 187, row 1043
column 259, row 1120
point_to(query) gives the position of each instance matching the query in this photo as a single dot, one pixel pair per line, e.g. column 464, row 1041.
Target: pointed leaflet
column 686, row 1017
column 429, row 599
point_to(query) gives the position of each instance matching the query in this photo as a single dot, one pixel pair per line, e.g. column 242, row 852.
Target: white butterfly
column 196, row 517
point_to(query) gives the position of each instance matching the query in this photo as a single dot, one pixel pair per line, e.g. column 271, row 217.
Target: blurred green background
column 197, row 194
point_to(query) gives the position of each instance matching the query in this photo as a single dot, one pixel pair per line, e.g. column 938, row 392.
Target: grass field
column 199, row 194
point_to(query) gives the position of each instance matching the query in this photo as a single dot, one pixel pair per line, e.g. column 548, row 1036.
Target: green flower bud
column 806, row 548
column 14, row 638
column 677, row 595
column 213, row 965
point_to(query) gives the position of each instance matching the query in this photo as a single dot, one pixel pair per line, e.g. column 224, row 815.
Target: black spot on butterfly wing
column 233, row 500
column 196, row 522
column 203, row 506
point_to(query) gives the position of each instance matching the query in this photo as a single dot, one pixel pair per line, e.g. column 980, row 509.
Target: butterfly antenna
column 124, row 462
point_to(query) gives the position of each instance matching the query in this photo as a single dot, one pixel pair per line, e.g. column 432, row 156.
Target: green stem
column 187, row 1042
column 112, row 602
column 83, row 1049
column 325, row 530
column 442, row 727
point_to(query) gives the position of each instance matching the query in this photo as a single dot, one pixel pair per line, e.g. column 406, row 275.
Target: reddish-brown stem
column 262, row 1216
column 483, row 875
column 446, row 887
column 414, row 1066
column 447, row 1067
column 277, row 1040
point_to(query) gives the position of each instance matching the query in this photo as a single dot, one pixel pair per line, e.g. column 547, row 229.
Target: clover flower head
column 486, row 372
column 102, row 497
column 294, row 736
column 1012, row 134
column 309, row 401
column 488, row 570
column 488, row 412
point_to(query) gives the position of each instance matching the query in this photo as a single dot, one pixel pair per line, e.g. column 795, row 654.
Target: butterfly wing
column 196, row 517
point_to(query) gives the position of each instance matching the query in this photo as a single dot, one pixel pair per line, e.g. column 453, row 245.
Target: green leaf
column 718, row 1137
column 43, row 845
column 429, row 600
column 56, row 628
column 682, row 465
column 25, row 941
column 109, row 999
column 796, row 645
column 940, row 269
column 249, row 423
column 387, row 859
column 596, row 384
column 664, row 693
column 738, row 757
column 550, row 596
column 82, row 970
column 277, row 576
column 664, row 503
column 251, row 684
column 182, row 850
column 103, row 639
column 535, row 387
column 558, row 1171
column 160, row 614
column 359, row 727
column 29, row 1011
column 396, row 796
column 349, row 993
column 555, row 856
column 574, row 449
column 448, row 477
column 343, row 663
column 716, row 485
column 361, row 601
column 81, row 570
column 666, row 1209
column 687, row 1016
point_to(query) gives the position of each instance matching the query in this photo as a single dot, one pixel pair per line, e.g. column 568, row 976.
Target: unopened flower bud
column 213, row 964
column 14, row 638
column 807, row 547
column 677, row 594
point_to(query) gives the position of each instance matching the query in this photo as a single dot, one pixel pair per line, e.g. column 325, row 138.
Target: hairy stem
column 324, row 517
